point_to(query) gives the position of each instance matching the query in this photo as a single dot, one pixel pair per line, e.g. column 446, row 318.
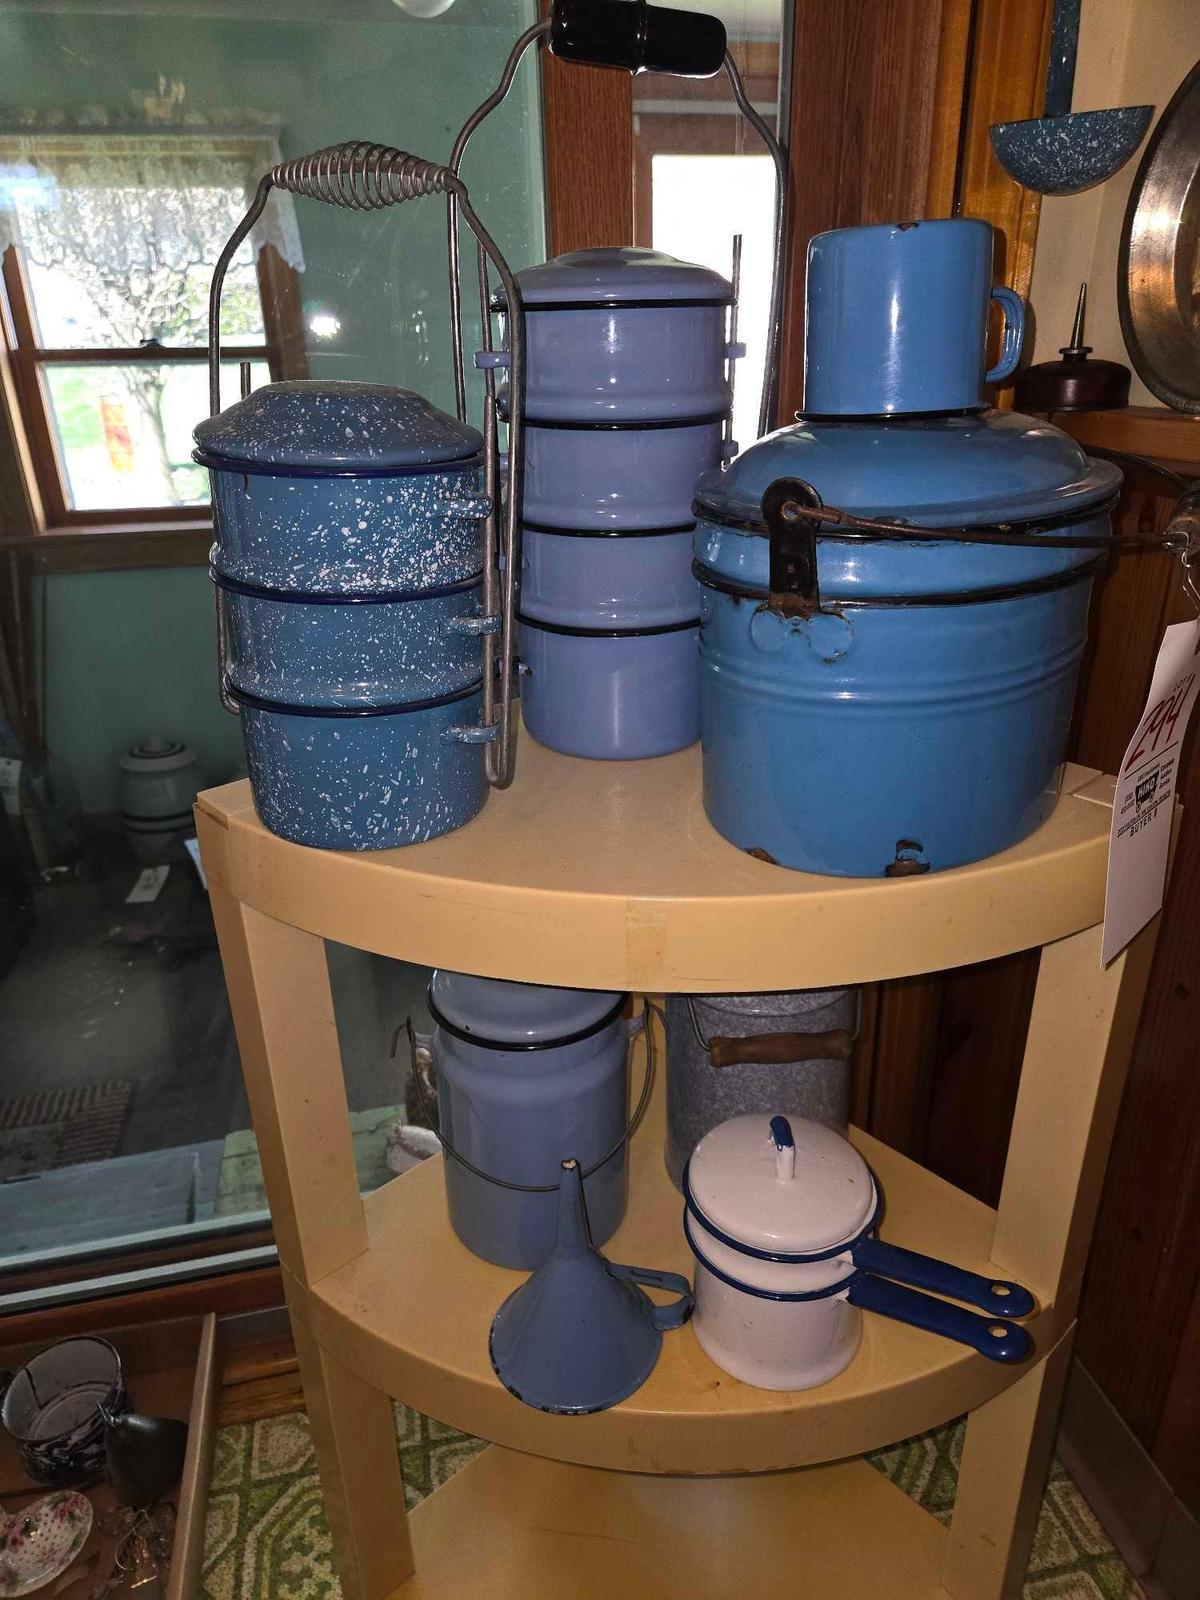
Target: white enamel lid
column 763, row 1193
column 518, row 1013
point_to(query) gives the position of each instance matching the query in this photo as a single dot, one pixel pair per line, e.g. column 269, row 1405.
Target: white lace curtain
column 160, row 195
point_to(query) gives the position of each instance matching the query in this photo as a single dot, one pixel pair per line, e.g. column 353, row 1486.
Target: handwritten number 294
column 1158, row 725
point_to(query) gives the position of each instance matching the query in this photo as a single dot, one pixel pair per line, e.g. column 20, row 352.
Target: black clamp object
column 637, row 37
column 794, row 589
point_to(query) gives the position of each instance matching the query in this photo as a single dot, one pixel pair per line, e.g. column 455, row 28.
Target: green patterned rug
column 266, row 1537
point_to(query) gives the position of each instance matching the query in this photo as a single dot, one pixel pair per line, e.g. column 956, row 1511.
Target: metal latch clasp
column 794, row 589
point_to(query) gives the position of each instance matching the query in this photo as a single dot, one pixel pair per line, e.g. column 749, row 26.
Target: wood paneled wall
column 891, row 104
column 587, row 131
column 1140, row 1324
column 862, row 131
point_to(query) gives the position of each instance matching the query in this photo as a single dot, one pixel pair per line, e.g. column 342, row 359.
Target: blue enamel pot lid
column 618, row 277
column 327, row 424
column 524, row 1015
column 974, row 469
column 983, row 469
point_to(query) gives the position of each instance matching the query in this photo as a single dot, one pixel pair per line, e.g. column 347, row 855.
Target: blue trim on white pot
column 787, row 1258
column 840, row 1287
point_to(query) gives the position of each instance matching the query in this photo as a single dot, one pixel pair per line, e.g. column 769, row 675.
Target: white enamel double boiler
column 780, row 1215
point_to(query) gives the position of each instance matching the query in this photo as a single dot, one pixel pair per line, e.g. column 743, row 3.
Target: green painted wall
column 130, row 655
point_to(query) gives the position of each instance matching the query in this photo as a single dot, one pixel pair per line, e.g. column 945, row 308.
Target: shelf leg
column 279, row 994
column 1077, row 1051
column 1005, row 1462
column 282, row 1009
column 354, row 1440
column 1076, row 1056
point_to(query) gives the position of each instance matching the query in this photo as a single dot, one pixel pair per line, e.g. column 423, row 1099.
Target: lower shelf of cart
column 412, row 1315
column 516, row 1527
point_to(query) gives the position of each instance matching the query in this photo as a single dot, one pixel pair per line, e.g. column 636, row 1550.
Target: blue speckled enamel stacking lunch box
column 348, row 567
column 890, row 700
column 626, row 403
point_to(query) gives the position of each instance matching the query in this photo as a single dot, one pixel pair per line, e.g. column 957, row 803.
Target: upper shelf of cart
column 607, row 875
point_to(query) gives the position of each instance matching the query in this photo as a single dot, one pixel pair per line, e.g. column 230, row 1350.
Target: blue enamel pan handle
column 676, row 1312
column 991, row 1336
column 997, row 1296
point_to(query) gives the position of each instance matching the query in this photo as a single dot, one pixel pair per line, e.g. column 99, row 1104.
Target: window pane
column 125, row 433
column 112, row 264
column 122, row 1108
column 700, row 203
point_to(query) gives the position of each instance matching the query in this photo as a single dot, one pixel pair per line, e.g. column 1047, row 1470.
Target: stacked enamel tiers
column 348, row 567
column 626, row 403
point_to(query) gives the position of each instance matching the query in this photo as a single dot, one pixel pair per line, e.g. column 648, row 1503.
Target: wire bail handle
column 421, row 1059
column 532, row 36
column 360, row 176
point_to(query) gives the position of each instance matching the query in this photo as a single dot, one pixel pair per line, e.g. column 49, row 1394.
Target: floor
column 266, row 1535
column 103, row 991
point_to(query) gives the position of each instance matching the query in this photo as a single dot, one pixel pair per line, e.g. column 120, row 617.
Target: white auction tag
column 148, row 886
column 1143, row 801
column 10, row 784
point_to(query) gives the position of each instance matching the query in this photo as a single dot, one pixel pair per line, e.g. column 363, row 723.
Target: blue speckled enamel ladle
column 1063, row 152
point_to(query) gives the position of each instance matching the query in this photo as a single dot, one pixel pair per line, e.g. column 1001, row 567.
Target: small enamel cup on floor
column 780, row 1215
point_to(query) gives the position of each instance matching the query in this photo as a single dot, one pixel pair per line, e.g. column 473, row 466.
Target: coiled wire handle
column 360, row 176
column 770, row 389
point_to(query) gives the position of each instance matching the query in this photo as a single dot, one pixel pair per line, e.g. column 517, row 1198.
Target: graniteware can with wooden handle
column 728, row 1054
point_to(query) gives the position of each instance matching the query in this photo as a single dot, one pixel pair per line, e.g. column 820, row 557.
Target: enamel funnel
column 580, row 1335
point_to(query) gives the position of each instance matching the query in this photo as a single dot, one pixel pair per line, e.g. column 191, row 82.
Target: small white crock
column 779, row 1214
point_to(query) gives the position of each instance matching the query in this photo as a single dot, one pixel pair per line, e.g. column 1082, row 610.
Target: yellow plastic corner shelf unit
column 607, row 875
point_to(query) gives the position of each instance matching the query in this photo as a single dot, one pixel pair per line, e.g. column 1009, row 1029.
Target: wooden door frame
column 587, row 153
column 891, row 102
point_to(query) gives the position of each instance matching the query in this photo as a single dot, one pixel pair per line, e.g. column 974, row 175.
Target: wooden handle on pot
column 776, row 1049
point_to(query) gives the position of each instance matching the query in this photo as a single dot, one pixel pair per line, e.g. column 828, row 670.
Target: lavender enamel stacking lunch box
column 626, row 403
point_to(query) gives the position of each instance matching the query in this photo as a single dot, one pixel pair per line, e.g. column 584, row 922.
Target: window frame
column 283, row 350
column 689, row 129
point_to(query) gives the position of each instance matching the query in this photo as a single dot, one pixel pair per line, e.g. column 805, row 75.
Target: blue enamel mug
column 897, row 319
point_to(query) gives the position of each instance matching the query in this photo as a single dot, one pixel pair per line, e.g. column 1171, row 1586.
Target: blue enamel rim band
column 954, row 597
column 827, row 1293
column 272, row 469
column 306, row 597
column 572, row 632
column 608, row 533
column 787, row 1258
column 856, row 418
column 709, row 420
column 498, row 303
column 456, row 1032
column 257, row 702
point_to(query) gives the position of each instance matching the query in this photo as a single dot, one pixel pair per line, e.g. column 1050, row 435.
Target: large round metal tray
column 1158, row 274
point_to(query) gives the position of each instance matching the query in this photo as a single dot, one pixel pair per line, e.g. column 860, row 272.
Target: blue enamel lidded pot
column 626, row 402
column 891, row 700
column 905, row 706
column 348, row 568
